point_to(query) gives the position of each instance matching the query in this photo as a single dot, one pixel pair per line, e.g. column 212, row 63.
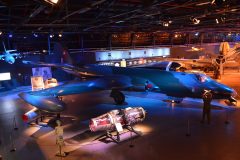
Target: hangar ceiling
column 123, row 22
column 116, row 16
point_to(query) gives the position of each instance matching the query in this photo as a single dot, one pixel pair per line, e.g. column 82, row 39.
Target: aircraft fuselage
column 176, row 84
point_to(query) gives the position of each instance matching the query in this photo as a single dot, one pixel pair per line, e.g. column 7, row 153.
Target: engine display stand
column 117, row 139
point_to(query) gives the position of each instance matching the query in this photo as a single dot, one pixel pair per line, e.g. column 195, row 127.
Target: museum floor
column 164, row 130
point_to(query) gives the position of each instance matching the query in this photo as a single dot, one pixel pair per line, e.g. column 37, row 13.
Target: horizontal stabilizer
column 45, row 103
column 66, row 67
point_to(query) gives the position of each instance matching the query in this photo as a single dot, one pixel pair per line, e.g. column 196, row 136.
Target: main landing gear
column 118, row 96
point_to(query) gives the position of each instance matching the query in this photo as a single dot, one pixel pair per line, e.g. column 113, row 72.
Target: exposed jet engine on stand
column 116, row 120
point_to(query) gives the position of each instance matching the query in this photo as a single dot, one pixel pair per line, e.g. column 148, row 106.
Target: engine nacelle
column 30, row 115
column 133, row 115
column 126, row 116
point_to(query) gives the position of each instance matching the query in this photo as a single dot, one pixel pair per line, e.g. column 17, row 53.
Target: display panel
column 44, row 72
column 5, row 76
column 128, row 54
column 37, row 83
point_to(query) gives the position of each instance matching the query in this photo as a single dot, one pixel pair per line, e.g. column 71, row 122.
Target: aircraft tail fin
column 66, row 58
column 234, row 53
column 60, row 50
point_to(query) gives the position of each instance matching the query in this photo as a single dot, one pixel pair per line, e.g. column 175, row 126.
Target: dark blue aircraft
column 176, row 85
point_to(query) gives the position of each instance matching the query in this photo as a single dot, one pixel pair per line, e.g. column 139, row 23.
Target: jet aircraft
column 176, row 85
column 8, row 56
column 230, row 58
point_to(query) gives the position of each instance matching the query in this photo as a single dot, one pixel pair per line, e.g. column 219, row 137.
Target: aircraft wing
column 14, row 50
column 2, row 57
column 67, row 68
column 15, row 54
column 193, row 62
column 47, row 100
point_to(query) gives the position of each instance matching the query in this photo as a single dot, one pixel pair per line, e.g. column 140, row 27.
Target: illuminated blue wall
column 126, row 54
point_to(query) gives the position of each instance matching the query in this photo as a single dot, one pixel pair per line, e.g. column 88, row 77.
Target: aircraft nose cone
column 45, row 103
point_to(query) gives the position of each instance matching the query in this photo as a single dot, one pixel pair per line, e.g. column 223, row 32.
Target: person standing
column 207, row 98
column 59, row 139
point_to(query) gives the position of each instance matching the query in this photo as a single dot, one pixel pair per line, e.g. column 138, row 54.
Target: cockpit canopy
column 164, row 66
column 202, row 77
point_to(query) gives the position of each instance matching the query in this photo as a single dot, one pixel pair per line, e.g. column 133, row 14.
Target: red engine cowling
column 30, row 115
column 125, row 117
column 106, row 121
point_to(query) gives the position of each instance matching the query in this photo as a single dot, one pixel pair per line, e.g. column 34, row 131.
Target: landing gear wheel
column 118, row 96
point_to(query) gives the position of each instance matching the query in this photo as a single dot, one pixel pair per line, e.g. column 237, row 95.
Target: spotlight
column 114, row 35
column 60, row 35
column 51, row 35
column 1, row 33
column 196, row 21
column 217, row 21
column 35, row 35
column 52, row 2
column 197, row 33
column 10, row 35
column 213, row 1
column 223, row 19
column 165, row 24
column 119, row 22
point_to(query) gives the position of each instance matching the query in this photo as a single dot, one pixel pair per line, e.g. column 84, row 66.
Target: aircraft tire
column 118, row 97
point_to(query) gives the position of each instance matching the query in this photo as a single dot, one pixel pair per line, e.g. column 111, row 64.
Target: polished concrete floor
column 164, row 130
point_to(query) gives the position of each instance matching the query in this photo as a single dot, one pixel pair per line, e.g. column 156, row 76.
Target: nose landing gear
column 232, row 101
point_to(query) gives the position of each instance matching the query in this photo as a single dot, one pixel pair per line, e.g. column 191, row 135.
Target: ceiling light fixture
column 119, row 22
column 10, row 35
column 35, row 35
column 165, row 24
column 213, row 1
column 203, row 3
column 51, row 35
column 52, row 2
column 196, row 21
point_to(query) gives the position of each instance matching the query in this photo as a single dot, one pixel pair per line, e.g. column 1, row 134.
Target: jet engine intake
column 30, row 115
